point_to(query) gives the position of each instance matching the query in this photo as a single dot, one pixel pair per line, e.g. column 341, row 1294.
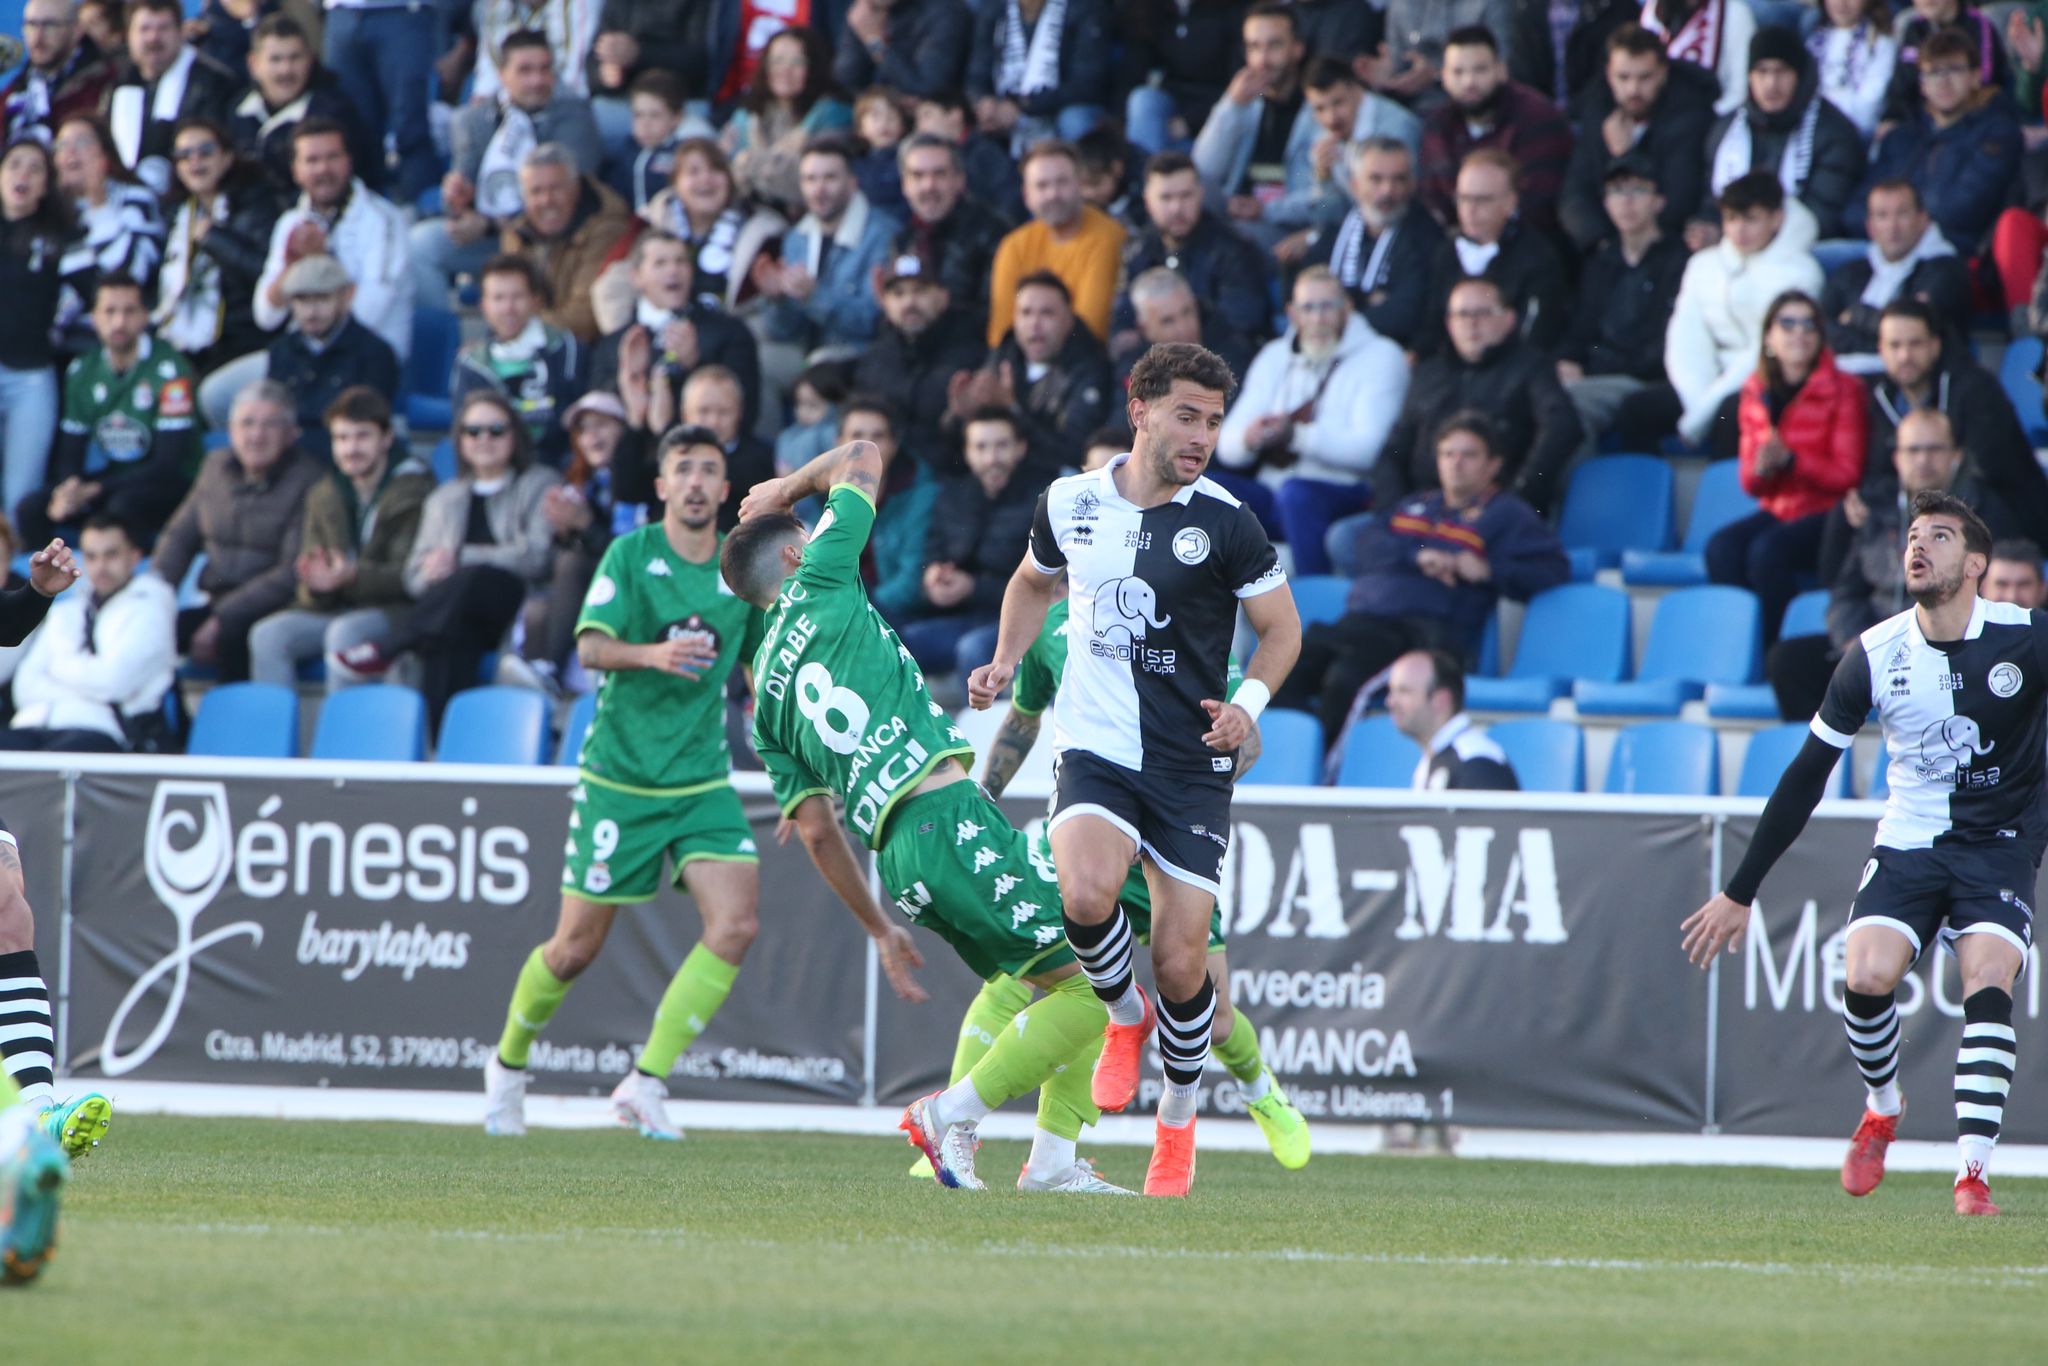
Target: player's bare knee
column 1179, row 972
column 17, row 923
column 731, row 932
column 570, row 952
column 1872, row 976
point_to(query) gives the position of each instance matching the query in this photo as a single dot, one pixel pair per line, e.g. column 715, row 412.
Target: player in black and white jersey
column 1157, row 560
column 1958, row 683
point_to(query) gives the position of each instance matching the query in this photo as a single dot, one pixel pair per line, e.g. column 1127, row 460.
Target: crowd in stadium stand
column 341, row 337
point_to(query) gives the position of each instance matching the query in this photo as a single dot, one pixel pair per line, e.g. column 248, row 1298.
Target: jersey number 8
column 818, row 698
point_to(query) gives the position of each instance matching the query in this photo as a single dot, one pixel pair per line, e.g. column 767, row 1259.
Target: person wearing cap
column 1611, row 357
column 350, row 567
column 1785, row 128
column 923, row 342
column 539, row 367
column 1644, row 106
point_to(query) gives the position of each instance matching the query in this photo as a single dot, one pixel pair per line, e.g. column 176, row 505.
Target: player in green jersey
column 842, row 711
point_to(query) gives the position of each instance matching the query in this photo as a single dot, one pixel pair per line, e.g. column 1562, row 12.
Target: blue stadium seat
column 574, row 729
column 1547, row 755
column 1617, row 503
column 246, row 721
column 1377, row 754
column 1489, row 647
column 1742, row 702
column 1718, row 501
column 1881, row 776
column 375, row 721
column 1806, row 615
column 1770, row 752
column 494, row 725
column 436, row 337
column 443, row 460
column 1579, row 630
column 214, row 440
column 1704, row 635
column 1293, row 753
column 2016, row 375
column 1320, row 597
column 1665, row 758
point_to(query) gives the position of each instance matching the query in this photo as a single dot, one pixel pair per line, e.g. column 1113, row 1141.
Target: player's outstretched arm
column 685, row 657
column 1029, row 597
column 858, row 463
column 826, row 843
column 1011, row 747
column 1723, row 919
column 1277, row 622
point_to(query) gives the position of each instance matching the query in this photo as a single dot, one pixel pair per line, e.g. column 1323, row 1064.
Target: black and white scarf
column 1033, row 67
column 714, row 252
column 190, row 305
column 1349, row 247
column 497, row 174
column 1733, row 157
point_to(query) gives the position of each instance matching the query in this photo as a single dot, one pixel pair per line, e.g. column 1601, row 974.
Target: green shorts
column 1136, row 899
column 618, row 838
column 954, row 864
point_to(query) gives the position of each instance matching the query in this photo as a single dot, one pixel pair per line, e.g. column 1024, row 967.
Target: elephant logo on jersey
column 1947, row 748
column 1124, row 610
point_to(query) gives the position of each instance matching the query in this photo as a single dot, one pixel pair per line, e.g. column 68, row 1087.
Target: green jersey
column 125, row 419
column 1038, row 672
column 654, row 732
column 839, row 705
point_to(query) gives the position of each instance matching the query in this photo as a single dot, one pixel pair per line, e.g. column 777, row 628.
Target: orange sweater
column 1088, row 261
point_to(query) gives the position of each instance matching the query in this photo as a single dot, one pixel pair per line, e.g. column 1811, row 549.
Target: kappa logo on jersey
column 1949, row 747
column 1191, row 545
column 659, row 569
column 2006, row 679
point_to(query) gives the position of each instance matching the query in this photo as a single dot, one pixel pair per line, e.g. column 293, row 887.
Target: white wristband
column 1253, row 696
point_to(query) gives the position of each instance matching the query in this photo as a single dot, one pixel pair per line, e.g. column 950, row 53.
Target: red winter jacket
column 1824, row 425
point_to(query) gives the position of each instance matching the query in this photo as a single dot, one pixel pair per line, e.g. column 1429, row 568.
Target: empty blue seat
column 375, row 721
column 1547, row 755
column 1806, row 615
column 1320, row 597
column 1293, row 750
column 246, row 721
column 1666, row 759
column 1617, row 503
column 445, row 465
column 1770, row 752
column 494, row 726
column 1718, row 501
column 1705, row 635
column 436, row 337
column 1377, row 754
column 575, row 728
column 1742, row 702
column 1578, row 630
column 2016, row 375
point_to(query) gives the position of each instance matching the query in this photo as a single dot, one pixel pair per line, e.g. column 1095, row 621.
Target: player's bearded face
column 1179, row 433
column 1934, row 563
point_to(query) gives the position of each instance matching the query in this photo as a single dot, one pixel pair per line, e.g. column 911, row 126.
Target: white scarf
column 1698, row 39
column 254, row 107
column 128, row 122
column 1032, row 69
column 497, row 175
column 1475, row 257
column 1732, row 159
column 1887, row 278
column 1350, row 245
column 191, row 308
column 652, row 318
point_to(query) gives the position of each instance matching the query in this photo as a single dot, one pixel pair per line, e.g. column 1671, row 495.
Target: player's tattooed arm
column 9, row 860
column 858, row 463
column 1248, row 754
column 1013, row 742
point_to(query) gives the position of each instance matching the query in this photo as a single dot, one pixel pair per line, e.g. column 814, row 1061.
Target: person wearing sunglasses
column 214, row 251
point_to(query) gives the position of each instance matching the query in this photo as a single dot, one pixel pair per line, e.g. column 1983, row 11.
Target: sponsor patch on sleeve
column 175, row 398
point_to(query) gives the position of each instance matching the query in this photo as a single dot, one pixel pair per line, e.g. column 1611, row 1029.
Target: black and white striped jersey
column 1962, row 725
column 1153, row 596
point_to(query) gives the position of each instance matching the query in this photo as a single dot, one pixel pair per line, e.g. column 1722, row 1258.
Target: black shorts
column 1181, row 823
column 1948, row 891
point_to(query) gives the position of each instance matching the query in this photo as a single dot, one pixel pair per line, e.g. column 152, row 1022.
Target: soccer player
column 654, row 783
column 841, row 711
column 1157, row 561
column 1958, row 683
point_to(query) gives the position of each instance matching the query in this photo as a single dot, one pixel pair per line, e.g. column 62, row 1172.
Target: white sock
column 960, row 1103
column 1050, row 1154
column 1129, row 1008
column 1885, row 1099
column 1973, row 1156
column 1257, row 1087
column 1177, row 1106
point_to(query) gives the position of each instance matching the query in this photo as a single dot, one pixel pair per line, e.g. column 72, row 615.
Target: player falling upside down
column 653, row 783
column 1959, row 684
column 842, row 712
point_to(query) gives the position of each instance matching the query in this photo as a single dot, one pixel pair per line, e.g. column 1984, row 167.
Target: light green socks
column 998, row 1003
column 1240, row 1052
column 694, row 995
column 534, row 1001
column 1052, row 1044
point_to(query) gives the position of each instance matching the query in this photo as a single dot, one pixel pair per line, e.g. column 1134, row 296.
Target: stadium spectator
column 1652, row 111
column 1050, row 370
column 1484, row 109
column 700, row 204
column 1350, row 116
column 903, row 512
column 484, row 543
column 1312, row 413
column 213, row 256
column 1978, row 40
column 1078, row 243
column 1429, row 573
column 922, row 344
column 791, row 100
column 980, row 522
column 1711, row 34
column 1908, row 258
column 571, row 227
column 585, row 514
column 1410, row 62
column 1854, row 48
column 1488, row 367
column 1338, row 29
column 1110, row 176
column 823, row 292
column 992, row 177
column 337, row 215
column 165, row 80
column 1611, row 357
column 1256, row 150
column 684, row 331
column 489, row 142
column 127, row 432
column 1228, row 275
column 565, row 31
column 1710, row 346
column 1039, row 69
column 1166, row 310
column 1490, row 240
column 714, row 399
column 918, row 47
column 2015, row 574
column 1175, row 55
column 1959, row 145
column 322, row 353
column 1803, row 440
column 223, row 30
column 1383, row 250
column 245, row 513
column 100, row 21
column 958, row 231
column 1923, row 370
column 120, row 229
column 359, row 525
column 636, row 37
column 538, row 367
column 882, row 121
column 286, row 86
column 35, row 222
column 92, row 678
column 384, row 55
column 1426, row 698
column 662, row 123
column 1560, row 49
column 66, row 72
column 814, row 412
column 1785, row 128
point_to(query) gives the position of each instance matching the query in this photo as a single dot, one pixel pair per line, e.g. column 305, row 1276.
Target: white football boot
column 641, row 1102
column 1079, row 1179
column 504, row 1099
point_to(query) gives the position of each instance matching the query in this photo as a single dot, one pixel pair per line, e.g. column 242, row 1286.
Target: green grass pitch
column 215, row 1241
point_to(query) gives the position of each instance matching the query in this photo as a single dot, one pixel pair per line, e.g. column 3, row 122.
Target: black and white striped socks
column 1105, row 954
column 26, row 1039
column 1184, row 1049
column 1984, row 1068
column 1873, row 1026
